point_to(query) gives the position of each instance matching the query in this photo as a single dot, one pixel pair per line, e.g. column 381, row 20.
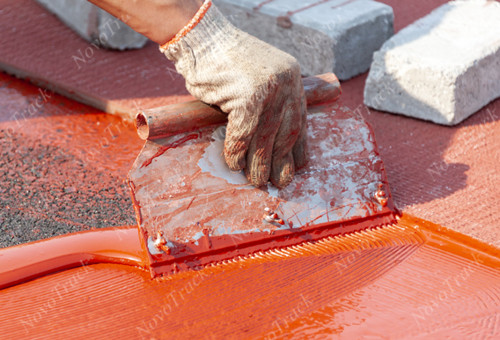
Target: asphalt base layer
column 63, row 165
column 65, row 199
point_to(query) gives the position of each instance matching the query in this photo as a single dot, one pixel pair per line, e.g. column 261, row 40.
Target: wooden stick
column 188, row 116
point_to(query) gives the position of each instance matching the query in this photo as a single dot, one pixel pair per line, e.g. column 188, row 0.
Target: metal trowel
column 193, row 211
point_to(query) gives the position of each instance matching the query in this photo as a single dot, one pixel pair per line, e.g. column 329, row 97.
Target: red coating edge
column 119, row 245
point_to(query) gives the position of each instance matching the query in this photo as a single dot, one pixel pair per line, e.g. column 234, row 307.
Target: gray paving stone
column 442, row 68
column 336, row 35
column 95, row 25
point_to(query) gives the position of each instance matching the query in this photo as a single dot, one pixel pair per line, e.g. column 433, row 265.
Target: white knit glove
column 257, row 85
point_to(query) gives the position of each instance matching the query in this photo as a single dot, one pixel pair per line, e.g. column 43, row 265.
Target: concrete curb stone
column 94, row 24
column 324, row 36
column 443, row 67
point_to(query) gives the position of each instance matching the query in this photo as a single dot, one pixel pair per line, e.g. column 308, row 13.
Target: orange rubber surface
column 406, row 282
column 412, row 279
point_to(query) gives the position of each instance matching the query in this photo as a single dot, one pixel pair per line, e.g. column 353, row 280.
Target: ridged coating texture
column 400, row 281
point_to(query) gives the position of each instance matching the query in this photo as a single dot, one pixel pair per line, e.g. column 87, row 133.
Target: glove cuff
column 207, row 28
column 190, row 25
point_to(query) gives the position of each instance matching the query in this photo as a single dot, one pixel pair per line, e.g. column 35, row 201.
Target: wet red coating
column 169, row 146
column 119, row 245
column 410, row 279
column 26, row 311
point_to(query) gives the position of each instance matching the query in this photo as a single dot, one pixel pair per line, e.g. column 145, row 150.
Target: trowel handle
column 172, row 119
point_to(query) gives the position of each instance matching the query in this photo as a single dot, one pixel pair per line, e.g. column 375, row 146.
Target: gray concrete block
column 95, row 25
column 442, row 68
column 337, row 35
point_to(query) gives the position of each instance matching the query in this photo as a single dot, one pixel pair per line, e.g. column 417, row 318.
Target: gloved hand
column 257, row 85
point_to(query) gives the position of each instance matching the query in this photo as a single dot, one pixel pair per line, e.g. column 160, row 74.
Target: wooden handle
column 188, row 116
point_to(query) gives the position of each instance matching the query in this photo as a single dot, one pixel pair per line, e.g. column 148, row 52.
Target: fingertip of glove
column 300, row 155
column 283, row 171
column 256, row 178
column 282, row 182
column 299, row 149
column 235, row 161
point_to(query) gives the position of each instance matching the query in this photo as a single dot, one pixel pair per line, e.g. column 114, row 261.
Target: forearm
column 159, row 20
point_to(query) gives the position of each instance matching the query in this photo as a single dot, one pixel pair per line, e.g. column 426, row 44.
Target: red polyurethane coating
column 411, row 279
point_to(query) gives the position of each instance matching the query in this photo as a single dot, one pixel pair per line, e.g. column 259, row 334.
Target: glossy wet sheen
column 401, row 281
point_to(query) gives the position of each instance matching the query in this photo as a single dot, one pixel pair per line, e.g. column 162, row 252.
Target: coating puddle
column 401, row 281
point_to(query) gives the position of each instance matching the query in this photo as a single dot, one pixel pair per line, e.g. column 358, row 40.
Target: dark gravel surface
column 46, row 191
